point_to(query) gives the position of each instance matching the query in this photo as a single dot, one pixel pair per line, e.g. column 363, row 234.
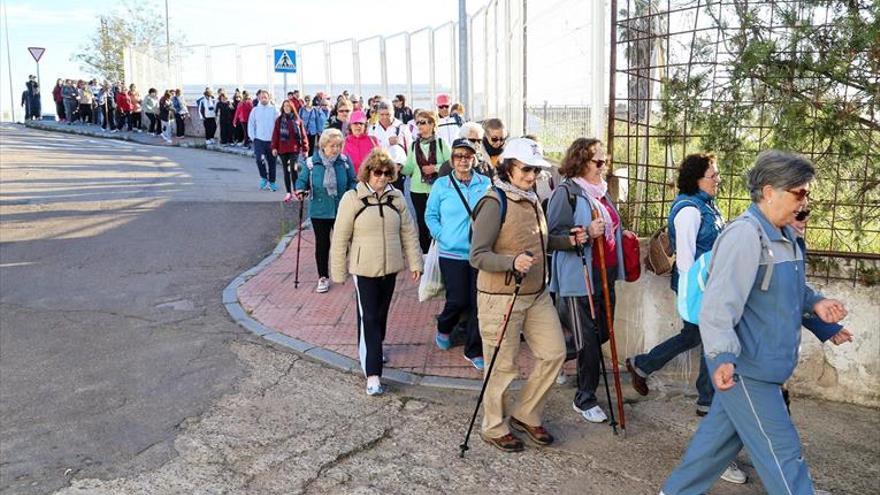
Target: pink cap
column 358, row 116
column 442, row 99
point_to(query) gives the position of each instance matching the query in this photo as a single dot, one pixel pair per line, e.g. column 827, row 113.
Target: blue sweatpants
column 751, row 414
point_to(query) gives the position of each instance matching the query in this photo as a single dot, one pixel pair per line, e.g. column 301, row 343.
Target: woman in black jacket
column 226, row 112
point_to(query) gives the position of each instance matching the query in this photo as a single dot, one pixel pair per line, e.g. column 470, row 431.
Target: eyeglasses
column 423, row 122
column 382, row 173
column 802, row 215
column 528, row 169
column 496, row 139
column 800, row 194
column 442, row 106
column 462, row 156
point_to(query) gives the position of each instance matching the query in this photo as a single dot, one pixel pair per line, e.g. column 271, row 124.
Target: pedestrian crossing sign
column 285, row 60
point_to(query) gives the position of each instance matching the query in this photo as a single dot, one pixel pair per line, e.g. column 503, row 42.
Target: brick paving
column 329, row 320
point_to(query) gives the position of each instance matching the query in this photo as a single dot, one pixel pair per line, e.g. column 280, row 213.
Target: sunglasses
column 475, row 141
column 800, row 194
column 461, row 156
column 527, row 169
column 599, row 163
column 423, row 122
column 496, row 139
column 802, row 215
column 442, row 106
column 380, row 173
column 343, row 111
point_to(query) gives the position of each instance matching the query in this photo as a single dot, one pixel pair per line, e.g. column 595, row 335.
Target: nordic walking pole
column 581, row 253
column 302, row 204
column 518, row 277
column 609, row 320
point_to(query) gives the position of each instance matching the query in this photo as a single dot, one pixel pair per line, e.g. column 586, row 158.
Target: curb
column 317, row 353
column 133, row 138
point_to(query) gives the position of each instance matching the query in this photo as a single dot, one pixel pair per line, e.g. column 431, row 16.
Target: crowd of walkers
column 530, row 251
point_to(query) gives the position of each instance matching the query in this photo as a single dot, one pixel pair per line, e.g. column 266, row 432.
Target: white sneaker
column 733, row 474
column 594, row 414
column 562, row 379
column 323, row 285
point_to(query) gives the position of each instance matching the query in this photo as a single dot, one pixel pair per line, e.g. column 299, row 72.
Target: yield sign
column 36, row 52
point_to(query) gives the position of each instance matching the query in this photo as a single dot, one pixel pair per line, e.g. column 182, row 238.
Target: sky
column 62, row 28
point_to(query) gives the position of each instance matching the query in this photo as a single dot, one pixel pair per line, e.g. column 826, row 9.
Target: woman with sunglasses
column 423, row 162
column 494, row 137
column 750, row 323
column 340, row 119
column 583, row 192
column 509, row 248
column 375, row 232
column 449, row 215
column 328, row 174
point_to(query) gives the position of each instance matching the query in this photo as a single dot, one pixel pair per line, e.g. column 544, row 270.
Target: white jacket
column 449, row 128
column 261, row 122
column 207, row 107
column 383, row 135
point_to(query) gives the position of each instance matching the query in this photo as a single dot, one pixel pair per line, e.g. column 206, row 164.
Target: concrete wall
column 646, row 316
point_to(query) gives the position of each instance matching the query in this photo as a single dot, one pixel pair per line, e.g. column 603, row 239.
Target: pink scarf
column 596, row 192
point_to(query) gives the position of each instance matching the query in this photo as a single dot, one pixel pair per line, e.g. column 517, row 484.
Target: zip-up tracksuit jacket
column 756, row 328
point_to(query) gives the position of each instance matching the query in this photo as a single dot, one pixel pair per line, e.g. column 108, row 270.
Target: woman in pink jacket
column 358, row 144
column 242, row 113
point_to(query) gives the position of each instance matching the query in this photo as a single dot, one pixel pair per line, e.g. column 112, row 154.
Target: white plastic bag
column 431, row 284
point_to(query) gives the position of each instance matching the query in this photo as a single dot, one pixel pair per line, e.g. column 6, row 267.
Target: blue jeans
column 263, row 151
column 662, row 353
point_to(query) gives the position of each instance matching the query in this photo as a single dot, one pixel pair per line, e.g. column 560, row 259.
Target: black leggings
column 210, row 127
column 85, row 112
column 374, row 300
column 181, row 126
column 135, row 121
column 322, row 227
column 420, row 203
column 288, row 166
column 155, row 127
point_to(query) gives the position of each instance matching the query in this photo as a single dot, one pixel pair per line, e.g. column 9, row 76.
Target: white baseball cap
column 526, row 151
column 398, row 155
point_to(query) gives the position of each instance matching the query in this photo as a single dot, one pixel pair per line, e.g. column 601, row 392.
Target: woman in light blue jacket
column 448, row 215
column 328, row 174
column 314, row 117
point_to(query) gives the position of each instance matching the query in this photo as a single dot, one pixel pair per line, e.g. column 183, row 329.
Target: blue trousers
column 662, row 353
column 751, row 414
column 263, row 151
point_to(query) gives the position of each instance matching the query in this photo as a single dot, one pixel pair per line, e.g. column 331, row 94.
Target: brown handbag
column 660, row 258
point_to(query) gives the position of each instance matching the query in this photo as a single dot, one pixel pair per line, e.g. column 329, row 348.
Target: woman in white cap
column 509, row 248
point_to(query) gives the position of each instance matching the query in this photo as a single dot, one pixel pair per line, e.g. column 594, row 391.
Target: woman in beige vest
column 375, row 230
column 510, row 236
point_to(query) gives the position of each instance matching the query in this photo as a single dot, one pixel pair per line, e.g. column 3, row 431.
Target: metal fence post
column 409, row 79
column 327, row 68
column 431, row 71
column 356, row 65
column 299, row 69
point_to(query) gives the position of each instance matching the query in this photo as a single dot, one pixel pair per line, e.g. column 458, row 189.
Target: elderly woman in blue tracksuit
column 449, row 213
column 750, row 324
column 583, row 190
column 327, row 175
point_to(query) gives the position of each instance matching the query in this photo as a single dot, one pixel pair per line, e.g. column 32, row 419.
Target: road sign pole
column 285, row 84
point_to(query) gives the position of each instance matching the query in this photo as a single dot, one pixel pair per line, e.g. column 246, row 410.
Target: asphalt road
column 112, row 259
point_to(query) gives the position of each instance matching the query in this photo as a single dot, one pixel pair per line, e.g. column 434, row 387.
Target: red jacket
column 358, row 147
column 56, row 94
column 123, row 102
column 291, row 145
column 242, row 113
